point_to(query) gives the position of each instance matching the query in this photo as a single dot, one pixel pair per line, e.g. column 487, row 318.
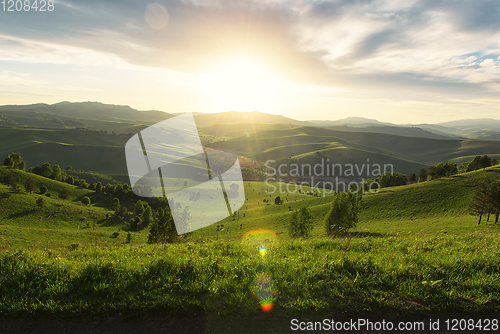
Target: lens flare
column 264, row 291
column 260, row 235
column 156, row 16
column 262, row 251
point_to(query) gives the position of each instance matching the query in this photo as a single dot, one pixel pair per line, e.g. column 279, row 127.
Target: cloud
column 431, row 44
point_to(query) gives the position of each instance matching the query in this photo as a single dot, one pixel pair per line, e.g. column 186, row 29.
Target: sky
column 408, row 61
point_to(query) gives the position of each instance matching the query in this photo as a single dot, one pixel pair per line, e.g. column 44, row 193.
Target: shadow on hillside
column 132, row 228
column 4, row 196
column 24, row 213
column 111, row 221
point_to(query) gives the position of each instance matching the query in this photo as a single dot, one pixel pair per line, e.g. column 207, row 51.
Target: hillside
column 90, row 151
column 428, row 207
column 407, row 154
column 57, row 223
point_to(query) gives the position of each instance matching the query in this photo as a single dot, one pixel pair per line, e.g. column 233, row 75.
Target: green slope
column 409, row 153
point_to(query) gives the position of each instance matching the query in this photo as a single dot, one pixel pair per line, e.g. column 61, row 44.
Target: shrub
column 301, row 223
column 30, row 185
column 48, row 194
column 86, row 200
column 73, row 247
column 278, row 200
column 43, row 190
column 115, row 205
column 129, row 237
column 63, row 193
column 40, row 202
column 115, row 234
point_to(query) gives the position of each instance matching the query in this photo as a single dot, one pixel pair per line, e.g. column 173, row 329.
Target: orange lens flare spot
column 266, row 307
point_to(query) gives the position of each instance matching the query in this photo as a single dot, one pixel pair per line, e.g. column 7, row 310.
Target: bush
column 115, row 234
column 343, row 214
column 129, row 237
column 73, row 247
column 63, row 193
column 86, row 200
column 48, row 194
column 43, row 190
column 40, row 202
column 301, row 223
column 30, row 185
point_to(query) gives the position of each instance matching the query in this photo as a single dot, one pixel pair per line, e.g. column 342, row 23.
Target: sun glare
column 242, row 86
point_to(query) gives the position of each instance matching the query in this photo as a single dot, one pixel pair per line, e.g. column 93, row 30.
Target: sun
column 242, row 85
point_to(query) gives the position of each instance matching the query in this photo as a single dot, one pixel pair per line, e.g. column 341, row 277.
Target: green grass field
column 416, row 250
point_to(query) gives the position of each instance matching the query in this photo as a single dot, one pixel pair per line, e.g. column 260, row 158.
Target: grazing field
column 415, row 250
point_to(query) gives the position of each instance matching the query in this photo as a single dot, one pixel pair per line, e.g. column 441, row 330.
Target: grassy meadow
column 416, row 250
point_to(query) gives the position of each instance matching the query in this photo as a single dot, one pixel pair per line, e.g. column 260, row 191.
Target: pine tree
column 301, row 223
column 163, row 227
column 147, row 215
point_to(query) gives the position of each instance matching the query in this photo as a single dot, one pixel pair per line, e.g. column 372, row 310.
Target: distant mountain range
column 43, row 132
column 481, row 129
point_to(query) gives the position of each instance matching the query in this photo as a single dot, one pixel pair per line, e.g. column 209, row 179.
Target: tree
column 138, row 208
column 122, row 211
column 343, row 214
column 484, row 161
column 493, row 201
column 8, row 161
column 115, row 205
column 40, row 202
column 86, row 200
column 45, row 170
column 63, row 193
column 30, row 185
column 300, row 223
column 147, row 215
column 70, row 180
column 479, row 205
column 98, row 187
column 56, row 173
column 450, row 168
column 413, row 177
column 69, row 168
column 422, row 176
column 392, row 180
column 18, row 161
column 163, row 227
column 110, row 189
